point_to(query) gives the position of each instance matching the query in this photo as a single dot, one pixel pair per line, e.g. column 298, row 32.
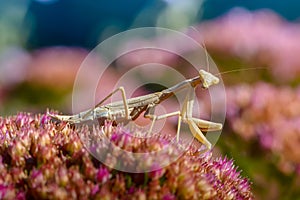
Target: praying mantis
column 131, row 109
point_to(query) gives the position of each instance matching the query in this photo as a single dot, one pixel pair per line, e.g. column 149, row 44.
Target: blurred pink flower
column 260, row 37
column 56, row 66
column 14, row 63
column 270, row 115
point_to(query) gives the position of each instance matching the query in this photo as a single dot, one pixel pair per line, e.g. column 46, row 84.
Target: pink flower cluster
column 261, row 37
column 43, row 160
column 270, row 115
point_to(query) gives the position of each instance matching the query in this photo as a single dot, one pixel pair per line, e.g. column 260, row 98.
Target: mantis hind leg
column 124, row 99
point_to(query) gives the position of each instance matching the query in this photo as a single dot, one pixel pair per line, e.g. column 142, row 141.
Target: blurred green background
column 43, row 42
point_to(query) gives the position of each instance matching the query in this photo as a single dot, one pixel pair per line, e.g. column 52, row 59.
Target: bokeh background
column 256, row 44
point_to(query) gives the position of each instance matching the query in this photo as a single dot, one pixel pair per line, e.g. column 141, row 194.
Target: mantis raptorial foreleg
column 185, row 115
column 207, row 125
column 197, row 133
column 187, row 112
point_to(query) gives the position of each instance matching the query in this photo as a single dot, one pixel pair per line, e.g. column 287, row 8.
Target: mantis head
column 207, row 79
